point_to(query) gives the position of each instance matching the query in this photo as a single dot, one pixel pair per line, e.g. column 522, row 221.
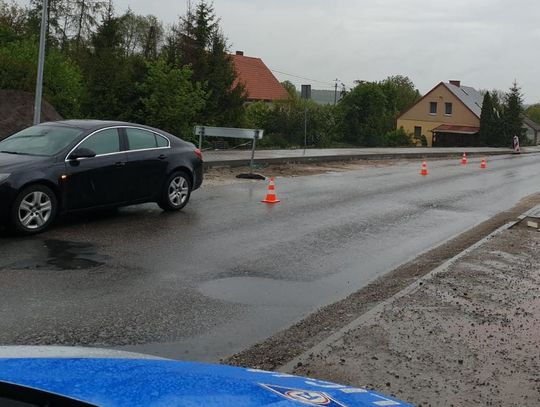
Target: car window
column 104, row 142
column 139, row 139
column 46, row 140
column 14, row 395
column 162, row 141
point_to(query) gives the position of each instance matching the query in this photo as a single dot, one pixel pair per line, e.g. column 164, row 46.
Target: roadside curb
column 351, row 157
column 336, row 336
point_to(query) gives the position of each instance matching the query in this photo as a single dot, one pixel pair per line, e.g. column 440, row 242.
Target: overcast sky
column 484, row 43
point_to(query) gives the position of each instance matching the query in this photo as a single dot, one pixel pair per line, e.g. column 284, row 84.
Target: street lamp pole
column 41, row 63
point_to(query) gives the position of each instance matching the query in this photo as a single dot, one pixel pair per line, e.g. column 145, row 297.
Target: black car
column 84, row 164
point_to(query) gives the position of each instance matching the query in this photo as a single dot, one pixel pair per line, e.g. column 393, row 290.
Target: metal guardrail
column 228, row 132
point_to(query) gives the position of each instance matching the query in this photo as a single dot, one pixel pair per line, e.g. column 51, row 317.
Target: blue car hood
column 161, row 382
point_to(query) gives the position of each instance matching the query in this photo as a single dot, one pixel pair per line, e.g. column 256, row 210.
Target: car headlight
column 4, row 177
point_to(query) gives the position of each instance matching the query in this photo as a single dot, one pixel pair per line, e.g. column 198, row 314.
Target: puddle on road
column 72, row 255
column 264, row 291
column 63, row 255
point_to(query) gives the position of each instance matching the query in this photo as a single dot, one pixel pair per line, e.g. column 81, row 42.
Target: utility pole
column 305, row 128
column 41, row 64
column 305, row 95
column 335, row 91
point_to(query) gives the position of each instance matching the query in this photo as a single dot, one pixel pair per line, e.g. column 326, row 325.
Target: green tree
column 106, row 74
column 513, row 114
column 257, row 114
column 169, row 99
column 364, row 115
column 323, row 130
column 198, row 42
column 141, row 35
column 60, row 20
column 85, row 18
column 283, row 123
column 13, row 22
column 291, row 89
column 488, row 121
column 400, row 93
column 226, row 97
column 62, row 82
column 533, row 112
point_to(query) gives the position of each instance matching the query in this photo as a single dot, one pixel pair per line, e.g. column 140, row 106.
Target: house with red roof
column 258, row 80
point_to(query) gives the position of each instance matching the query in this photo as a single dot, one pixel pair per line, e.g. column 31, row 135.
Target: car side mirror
column 82, row 153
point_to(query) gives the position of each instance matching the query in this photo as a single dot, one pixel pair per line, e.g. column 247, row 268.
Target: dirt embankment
column 17, row 111
column 227, row 175
column 467, row 335
column 460, row 356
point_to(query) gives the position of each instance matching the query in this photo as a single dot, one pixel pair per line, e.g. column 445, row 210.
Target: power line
column 331, row 84
column 290, row 74
column 301, row 77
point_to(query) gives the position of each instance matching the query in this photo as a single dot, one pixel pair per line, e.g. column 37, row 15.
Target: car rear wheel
column 176, row 193
column 34, row 209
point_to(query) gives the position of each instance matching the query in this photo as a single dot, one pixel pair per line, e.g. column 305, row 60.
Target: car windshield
column 43, row 140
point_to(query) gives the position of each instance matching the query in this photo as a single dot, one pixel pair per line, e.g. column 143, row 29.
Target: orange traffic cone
column 271, row 195
column 483, row 164
column 424, row 170
column 464, row 159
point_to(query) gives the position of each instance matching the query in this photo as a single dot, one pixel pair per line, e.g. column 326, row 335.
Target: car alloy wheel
column 178, row 190
column 35, row 210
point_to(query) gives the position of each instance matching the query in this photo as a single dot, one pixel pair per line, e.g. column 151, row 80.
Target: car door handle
column 120, row 164
column 162, row 157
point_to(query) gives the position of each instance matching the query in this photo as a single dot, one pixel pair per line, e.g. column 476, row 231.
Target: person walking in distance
column 515, row 144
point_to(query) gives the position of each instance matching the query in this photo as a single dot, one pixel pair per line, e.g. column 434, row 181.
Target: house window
column 448, row 109
column 417, row 132
column 433, row 108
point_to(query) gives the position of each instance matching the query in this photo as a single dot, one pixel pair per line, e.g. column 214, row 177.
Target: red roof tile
column 450, row 128
column 258, row 80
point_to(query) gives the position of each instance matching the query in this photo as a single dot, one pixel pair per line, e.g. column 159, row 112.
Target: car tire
column 176, row 192
column 34, row 210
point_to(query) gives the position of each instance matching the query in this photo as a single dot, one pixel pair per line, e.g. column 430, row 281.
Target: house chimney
column 240, row 53
column 456, row 83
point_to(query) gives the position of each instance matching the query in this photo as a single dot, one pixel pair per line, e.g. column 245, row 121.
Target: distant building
column 448, row 115
column 533, row 130
column 258, row 79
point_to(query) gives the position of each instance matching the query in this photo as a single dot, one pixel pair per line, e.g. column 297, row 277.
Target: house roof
column 469, row 96
column 259, row 81
column 450, row 128
column 531, row 123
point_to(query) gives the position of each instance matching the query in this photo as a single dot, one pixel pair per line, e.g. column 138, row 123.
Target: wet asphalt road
column 229, row 271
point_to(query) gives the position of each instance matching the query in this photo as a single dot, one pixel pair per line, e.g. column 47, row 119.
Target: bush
column 398, row 138
column 170, row 101
column 364, row 116
column 525, row 142
column 62, row 81
column 283, row 123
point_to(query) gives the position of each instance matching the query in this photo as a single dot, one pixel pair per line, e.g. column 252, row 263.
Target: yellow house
column 448, row 116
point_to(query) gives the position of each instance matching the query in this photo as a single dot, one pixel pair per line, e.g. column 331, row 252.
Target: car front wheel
column 176, row 193
column 34, row 209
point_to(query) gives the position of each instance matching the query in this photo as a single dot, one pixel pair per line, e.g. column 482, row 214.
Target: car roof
column 91, row 125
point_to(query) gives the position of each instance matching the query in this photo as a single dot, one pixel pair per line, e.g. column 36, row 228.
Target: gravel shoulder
column 470, row 335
